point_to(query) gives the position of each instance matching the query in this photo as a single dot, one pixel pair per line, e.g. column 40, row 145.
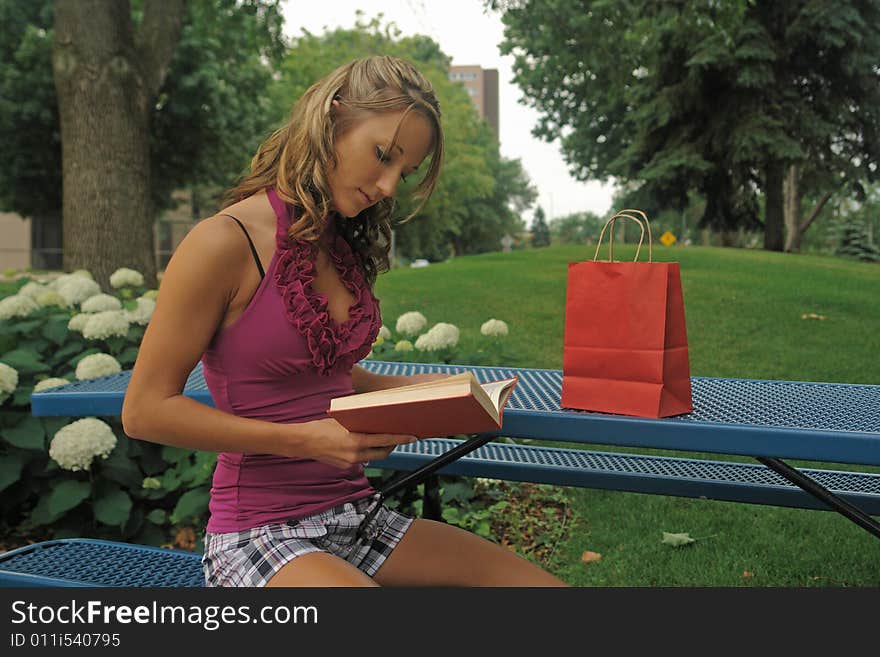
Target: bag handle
column 610, row 222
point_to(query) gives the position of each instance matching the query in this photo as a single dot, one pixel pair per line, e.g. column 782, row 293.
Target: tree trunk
column 792, row 200
column 774, row 219
column 106, row 80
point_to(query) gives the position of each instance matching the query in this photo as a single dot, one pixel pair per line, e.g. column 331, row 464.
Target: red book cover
column 452, row 411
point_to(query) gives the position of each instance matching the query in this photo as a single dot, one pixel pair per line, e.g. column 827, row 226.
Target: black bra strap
column 253, row 248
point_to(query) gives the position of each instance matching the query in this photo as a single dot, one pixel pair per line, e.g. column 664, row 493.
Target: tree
column 540, row 230
column 107, row 78
column 575, row 228
column 204, row 124
column 30, row 178
column 717, row 99
column 480, row 195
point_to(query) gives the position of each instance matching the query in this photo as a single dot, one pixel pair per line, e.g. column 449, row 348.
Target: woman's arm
column 199, row 282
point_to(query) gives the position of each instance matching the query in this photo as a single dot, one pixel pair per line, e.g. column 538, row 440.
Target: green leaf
column 128, row 356
column 120, row 468
column 677, row 540
column 88, row 352
column 450, row 515
column 27, row 326
column 25, row 361
column 175, row 454
column 27, row 434
column 66, row 352
column 22, row 396
column 7, row 342
column 53, row 424
column 56, row 330
column 157, row 516
column 66, row 495
column 116, row 345
column 113, row 508
column 457, row 492
column 192, row 504
column 10, row 470
column 134, row 522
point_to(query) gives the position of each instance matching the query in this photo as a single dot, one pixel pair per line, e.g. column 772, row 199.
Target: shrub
column 110, row 486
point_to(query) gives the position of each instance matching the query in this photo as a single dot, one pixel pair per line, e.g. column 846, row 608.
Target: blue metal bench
column 763, row 419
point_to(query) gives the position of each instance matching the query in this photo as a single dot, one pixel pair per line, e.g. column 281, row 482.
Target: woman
column 274, row 295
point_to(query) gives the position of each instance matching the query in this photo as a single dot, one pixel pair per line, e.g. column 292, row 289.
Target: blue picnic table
column 766, row 420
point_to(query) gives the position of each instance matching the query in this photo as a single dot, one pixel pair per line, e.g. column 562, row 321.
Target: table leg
column 418, row 476
column 840, row 505
column 432, row 507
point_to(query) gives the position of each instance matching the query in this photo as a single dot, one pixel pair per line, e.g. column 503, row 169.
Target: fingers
column 377, row 446
column 383, row 439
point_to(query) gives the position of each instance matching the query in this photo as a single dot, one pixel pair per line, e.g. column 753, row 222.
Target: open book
column 445, row 407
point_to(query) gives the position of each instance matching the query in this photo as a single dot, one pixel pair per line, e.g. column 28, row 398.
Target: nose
column 387, row 183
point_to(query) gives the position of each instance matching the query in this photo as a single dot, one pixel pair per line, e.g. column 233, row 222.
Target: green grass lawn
column 744, row 313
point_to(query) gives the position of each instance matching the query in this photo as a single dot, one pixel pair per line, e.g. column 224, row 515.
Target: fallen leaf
column 812, row 316
column 590, row 557
column 677, row 540
column 747, row 574
column 185, row 538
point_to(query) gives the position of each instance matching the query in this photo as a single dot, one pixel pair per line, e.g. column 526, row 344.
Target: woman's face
column 365, row 173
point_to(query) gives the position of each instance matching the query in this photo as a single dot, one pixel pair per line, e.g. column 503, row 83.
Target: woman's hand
column 330, row 442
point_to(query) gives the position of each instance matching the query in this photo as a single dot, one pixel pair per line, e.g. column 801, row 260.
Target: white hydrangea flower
column 78, row 322
column 32, row 289
column 77, row 289
column 151, row 294
column 95, row 365
column 143, row 313
column 100, row 303
column 411, row 323
column 403, row 345
column 379, row 341
column 124, row 276
column 17, row 305
column 45, row 384
column 441, row 336
column 50, row 298
column 494, row 328
column 58, row 281
column 107, row 324
column 151, row 483
column 85, row 273
column 8, row 378
column 75, row 445
column 384, row 333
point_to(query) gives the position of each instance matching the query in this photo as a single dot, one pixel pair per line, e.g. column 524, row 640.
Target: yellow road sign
column 667, row 239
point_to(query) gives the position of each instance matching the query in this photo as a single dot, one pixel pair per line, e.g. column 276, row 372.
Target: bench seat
column 88, row 562
column 660, row 475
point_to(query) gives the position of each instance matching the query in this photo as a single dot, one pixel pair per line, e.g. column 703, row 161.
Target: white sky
column 470, row 36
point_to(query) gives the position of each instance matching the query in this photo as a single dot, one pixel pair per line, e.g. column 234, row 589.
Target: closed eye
column 385, row 159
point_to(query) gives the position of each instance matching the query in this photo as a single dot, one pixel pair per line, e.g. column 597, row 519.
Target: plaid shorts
column 252, row 556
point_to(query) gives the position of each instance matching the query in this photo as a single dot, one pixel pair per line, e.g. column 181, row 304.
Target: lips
column 365, row 196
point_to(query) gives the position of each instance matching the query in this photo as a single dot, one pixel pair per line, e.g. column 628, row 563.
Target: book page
column 426, row 390
column 496, row 390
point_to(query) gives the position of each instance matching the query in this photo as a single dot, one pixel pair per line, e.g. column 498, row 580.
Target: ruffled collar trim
column 334, row 347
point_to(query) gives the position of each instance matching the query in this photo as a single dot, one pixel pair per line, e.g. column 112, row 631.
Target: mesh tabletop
column 788, row 419
column 75, row 562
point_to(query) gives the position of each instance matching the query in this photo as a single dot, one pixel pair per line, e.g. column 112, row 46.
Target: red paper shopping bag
column 625, row 345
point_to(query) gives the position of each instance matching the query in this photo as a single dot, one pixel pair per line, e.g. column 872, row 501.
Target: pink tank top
column 283, row 360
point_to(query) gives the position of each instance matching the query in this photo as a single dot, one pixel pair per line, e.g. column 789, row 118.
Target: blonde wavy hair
column 296, row 158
